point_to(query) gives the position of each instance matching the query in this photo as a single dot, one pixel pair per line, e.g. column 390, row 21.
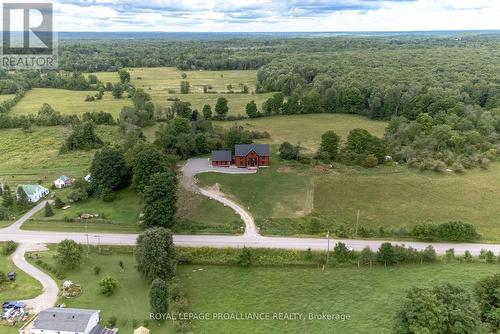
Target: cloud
column 275, row 15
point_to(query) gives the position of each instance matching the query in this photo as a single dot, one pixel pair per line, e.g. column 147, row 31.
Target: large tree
column 251, row 109
column 155, row 254
column 444, row 309
column 487, row 293
column 146, row 160
column 330, row 142
column 109, row 169
column 160, row 200
column 69, row 254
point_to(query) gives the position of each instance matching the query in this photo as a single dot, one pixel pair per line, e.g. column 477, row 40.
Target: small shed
column 142, row 330
column 11, row 276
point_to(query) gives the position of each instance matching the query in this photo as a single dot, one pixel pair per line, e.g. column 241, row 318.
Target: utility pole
column 328, row 246
column 357, row 223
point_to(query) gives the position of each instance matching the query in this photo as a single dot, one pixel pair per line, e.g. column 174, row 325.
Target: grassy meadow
column 284, row 196
column 164, row 82
column 29, row 157
column 307, row 129
column 371, row 297
column 68, row 102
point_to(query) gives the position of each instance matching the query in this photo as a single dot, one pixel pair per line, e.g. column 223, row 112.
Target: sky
column 275, row 16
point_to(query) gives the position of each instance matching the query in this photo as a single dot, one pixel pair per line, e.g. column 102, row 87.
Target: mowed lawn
column 371, row 297
column 68, row 102
column 307, row 129
column 130, row 302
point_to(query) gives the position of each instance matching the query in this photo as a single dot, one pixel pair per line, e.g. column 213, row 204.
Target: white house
column 66, row 321
column 34, row 191
column 62, row 182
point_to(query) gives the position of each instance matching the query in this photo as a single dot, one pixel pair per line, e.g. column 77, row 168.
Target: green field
column 68, row 102
column 130, row 301
column 197, row 215
column 307, row 129
column 33, row 156
column 389, row 197
column 159, row 82
column 371, row 297
column 160, row 79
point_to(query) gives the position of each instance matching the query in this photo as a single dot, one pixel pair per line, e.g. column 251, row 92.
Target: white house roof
column 64, row 319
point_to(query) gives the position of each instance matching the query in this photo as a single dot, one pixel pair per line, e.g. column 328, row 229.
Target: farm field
column 68, row 102
column 29, row 157
column 160, row 82
column 160, row 79
column 130, row 302
column 388, row 197
column 371, row 297
column 307, row 129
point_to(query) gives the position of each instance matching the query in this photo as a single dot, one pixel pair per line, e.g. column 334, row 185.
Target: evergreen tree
column 48, row 210
column 251, row 110
column 7, row 199
column 330, row 143
column 221, row 108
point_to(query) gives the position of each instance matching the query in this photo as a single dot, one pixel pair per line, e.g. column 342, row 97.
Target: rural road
column 251, row 238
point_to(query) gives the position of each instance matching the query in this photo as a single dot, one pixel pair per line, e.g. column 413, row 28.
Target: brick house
column 251, row 156
column 246, row 156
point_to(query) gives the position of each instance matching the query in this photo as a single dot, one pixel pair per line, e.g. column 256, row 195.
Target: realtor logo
column 28, row 39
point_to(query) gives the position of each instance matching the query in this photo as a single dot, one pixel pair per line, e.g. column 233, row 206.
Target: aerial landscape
column 229, row 167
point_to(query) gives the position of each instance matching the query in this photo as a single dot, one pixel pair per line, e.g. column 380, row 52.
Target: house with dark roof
column 222, row 158
column 251, row 155
column 245, row 156
column 66, row 320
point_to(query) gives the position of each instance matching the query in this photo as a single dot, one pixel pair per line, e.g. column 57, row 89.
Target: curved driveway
column 50, row 290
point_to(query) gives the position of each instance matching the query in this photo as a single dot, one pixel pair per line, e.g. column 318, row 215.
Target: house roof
column 222, row 156
column 243, row 150
column 64, row 319
column 63, row 178
column 101, row 330
column 31, row 189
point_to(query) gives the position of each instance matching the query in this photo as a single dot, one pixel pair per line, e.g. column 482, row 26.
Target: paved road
column 50, row 290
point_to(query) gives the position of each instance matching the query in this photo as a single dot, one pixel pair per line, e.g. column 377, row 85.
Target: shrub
column 245, row 258
column 111, row 323
column 370, row 161
column 108, row 195
column 108, row 286
column 467, row 256
column 9, row 247
column 3, row 278
column 97, row 270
